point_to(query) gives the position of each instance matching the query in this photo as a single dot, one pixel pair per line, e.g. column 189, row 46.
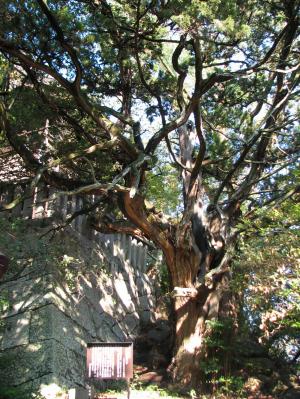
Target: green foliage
column 4, row 303
column 137, row 388
column 232, row 386
column 164, row 278
column 268, row 271
column 164, row 190
column 69, row 266
column 124, row 55
column 21, row 250
column 26, row 249
column 12, row 393
column 220, row 343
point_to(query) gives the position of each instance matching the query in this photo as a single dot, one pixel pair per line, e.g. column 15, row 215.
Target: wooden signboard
column 110, row 361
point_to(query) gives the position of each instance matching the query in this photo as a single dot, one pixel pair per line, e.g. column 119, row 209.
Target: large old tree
column 132, row 92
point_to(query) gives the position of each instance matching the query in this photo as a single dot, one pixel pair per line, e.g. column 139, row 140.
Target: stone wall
column 48, row 321
column 42, row 204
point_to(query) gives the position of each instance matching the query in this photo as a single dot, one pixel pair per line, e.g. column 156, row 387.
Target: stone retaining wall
column 40, row 206
column 47, row 324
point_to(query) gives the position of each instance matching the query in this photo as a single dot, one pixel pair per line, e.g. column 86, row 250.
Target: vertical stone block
column 78, row 393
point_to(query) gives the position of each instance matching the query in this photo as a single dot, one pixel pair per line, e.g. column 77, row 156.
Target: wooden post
column 128, row 388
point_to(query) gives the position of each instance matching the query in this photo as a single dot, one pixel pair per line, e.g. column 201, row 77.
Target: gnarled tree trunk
column 195, row 304
column 196, row 251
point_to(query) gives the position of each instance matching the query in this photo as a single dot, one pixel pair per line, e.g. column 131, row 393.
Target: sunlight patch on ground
column 51, row 391
column 137, row 394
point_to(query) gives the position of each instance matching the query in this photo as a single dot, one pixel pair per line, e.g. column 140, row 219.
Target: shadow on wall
column 62, row 294
column 3, row 264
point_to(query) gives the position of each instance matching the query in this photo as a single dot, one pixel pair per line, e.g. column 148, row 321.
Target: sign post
column 110, row 361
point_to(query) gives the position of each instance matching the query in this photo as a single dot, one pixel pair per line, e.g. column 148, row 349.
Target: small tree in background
column 269, row 264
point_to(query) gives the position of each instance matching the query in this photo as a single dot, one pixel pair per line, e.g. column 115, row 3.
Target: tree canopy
column 230, row 69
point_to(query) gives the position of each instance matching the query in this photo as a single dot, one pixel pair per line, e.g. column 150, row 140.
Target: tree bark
column 193, row 308
column 195, row 254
